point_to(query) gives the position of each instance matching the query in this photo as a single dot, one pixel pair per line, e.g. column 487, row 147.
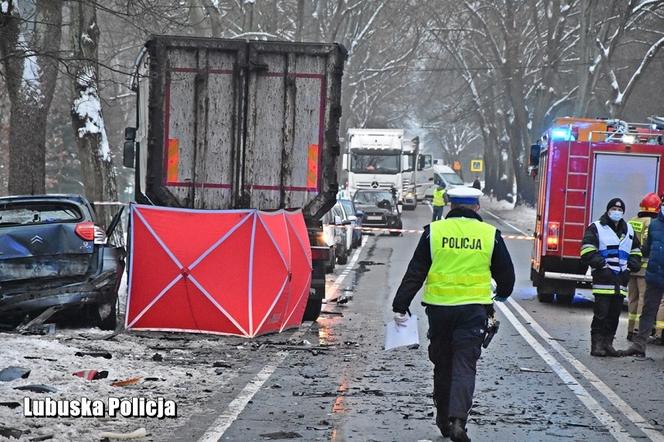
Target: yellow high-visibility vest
column 640, row 225
column 460, row 271
column 438, row 197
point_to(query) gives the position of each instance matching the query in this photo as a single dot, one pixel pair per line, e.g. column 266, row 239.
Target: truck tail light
column 88, row 231
column 552, row 235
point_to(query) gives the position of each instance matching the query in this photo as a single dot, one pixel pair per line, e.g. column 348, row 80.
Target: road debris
column 125, row 382
column 136, row 434
column 12, row 373
column 91, row 375
column 94, row 354
column 533, row 370
column 37, row 388
column 281, row 435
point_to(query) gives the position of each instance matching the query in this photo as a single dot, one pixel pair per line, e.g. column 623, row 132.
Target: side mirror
column 359, row 214
column 129, row 148
column 337, row 220
column 420, row 162
column 534, row 155
column 344, row 162
column 430, row 178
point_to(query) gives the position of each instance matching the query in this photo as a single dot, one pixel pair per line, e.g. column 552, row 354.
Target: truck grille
column 367, row 185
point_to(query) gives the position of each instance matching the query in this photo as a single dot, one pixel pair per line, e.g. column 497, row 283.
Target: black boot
column 597, row 346
column 637, row 349
column 630, row 336
column 458, row 430
column 443, row 424
column 608, row 347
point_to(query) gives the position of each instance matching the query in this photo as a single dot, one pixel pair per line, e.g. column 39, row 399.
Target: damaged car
column 56, row 263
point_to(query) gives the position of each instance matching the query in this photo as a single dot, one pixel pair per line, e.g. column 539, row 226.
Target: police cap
column 464, row 195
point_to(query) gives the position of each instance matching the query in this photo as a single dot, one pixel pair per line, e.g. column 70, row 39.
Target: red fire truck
column 581, row 164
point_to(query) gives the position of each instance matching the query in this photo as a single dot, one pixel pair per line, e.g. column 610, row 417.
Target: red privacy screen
column 235, row 272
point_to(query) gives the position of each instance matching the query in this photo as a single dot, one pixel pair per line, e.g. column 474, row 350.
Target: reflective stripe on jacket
column 616, row 252
column 460, row 271
column 640, row 225
column 438, row 197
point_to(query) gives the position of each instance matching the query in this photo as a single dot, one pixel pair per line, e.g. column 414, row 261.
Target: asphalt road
column 332, row 380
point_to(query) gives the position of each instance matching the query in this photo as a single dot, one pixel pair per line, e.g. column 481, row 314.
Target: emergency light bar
column 562, row 134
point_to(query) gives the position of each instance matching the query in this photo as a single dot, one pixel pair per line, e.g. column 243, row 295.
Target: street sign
column 456, row 165
column 476, row 165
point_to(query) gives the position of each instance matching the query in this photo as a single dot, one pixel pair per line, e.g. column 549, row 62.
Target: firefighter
column 455, row 259
column 610, row 248
column 439, row 201
column 652, row 299
column 649, row 208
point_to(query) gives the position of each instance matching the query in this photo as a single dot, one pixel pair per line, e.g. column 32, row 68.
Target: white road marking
column 349, row 267
column 631, row 414
column 237, row 405
column 616, row 430
column 505, row 222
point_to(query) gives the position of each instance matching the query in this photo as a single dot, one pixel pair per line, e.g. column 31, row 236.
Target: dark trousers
column 606, row 311
column 651, row 301
column 456, row 334
column 437, row 212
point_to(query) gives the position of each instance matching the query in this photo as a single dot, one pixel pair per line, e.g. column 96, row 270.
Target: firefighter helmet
column 650, row 203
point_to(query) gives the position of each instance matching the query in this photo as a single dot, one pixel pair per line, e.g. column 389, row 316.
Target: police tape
column 387, row 229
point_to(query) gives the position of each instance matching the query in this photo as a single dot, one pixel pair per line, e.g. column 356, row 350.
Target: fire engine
column 582, row 163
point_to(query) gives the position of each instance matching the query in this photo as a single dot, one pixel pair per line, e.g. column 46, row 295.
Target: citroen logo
column 36, row 240
column 374, row 185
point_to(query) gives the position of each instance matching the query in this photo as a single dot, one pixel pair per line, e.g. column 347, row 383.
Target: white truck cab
column 374, row 159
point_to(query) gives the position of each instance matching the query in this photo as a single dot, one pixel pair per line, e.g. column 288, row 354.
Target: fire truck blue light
column 562, row 134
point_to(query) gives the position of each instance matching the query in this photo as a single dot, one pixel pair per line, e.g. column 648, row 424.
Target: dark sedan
column 54, row 256
column 380, row 208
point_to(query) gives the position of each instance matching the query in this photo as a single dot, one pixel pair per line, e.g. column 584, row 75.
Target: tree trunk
column 27, row 153
column 87, row 119
column 30, row 71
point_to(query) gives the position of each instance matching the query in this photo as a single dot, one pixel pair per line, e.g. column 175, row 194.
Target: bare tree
column 29, row 45
column 87, row 120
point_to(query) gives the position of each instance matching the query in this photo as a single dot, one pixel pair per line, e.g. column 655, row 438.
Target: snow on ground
column 171, row 366
column 521, row 217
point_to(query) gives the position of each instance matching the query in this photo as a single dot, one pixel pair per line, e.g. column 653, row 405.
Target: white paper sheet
column 403, row 335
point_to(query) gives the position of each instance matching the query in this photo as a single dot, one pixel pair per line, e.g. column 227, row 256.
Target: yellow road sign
column 476, row 165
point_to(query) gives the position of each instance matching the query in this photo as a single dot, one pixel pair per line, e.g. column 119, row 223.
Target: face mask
column 615, row 215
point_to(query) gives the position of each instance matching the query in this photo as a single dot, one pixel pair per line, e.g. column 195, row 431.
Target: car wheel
column 544, row 295
column 343, row 258
column 110, row 320
column 312, row 310
column 565, row 296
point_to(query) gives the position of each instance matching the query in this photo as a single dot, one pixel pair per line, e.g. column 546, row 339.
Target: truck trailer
column 236, row 124
column 581, row 164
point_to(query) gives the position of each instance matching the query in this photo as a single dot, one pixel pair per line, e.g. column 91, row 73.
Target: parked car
column 380, row 208
column 355, row 218
column 409, row 198
column 329, row 238
column 52, row 254
column 344, row 233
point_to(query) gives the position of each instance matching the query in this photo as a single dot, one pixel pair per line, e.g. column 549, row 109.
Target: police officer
column 439, row 201
column 648, row 209
column 456, row 259
column 610, row 248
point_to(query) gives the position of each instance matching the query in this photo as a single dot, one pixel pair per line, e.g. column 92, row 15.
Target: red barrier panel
column 235, row 272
